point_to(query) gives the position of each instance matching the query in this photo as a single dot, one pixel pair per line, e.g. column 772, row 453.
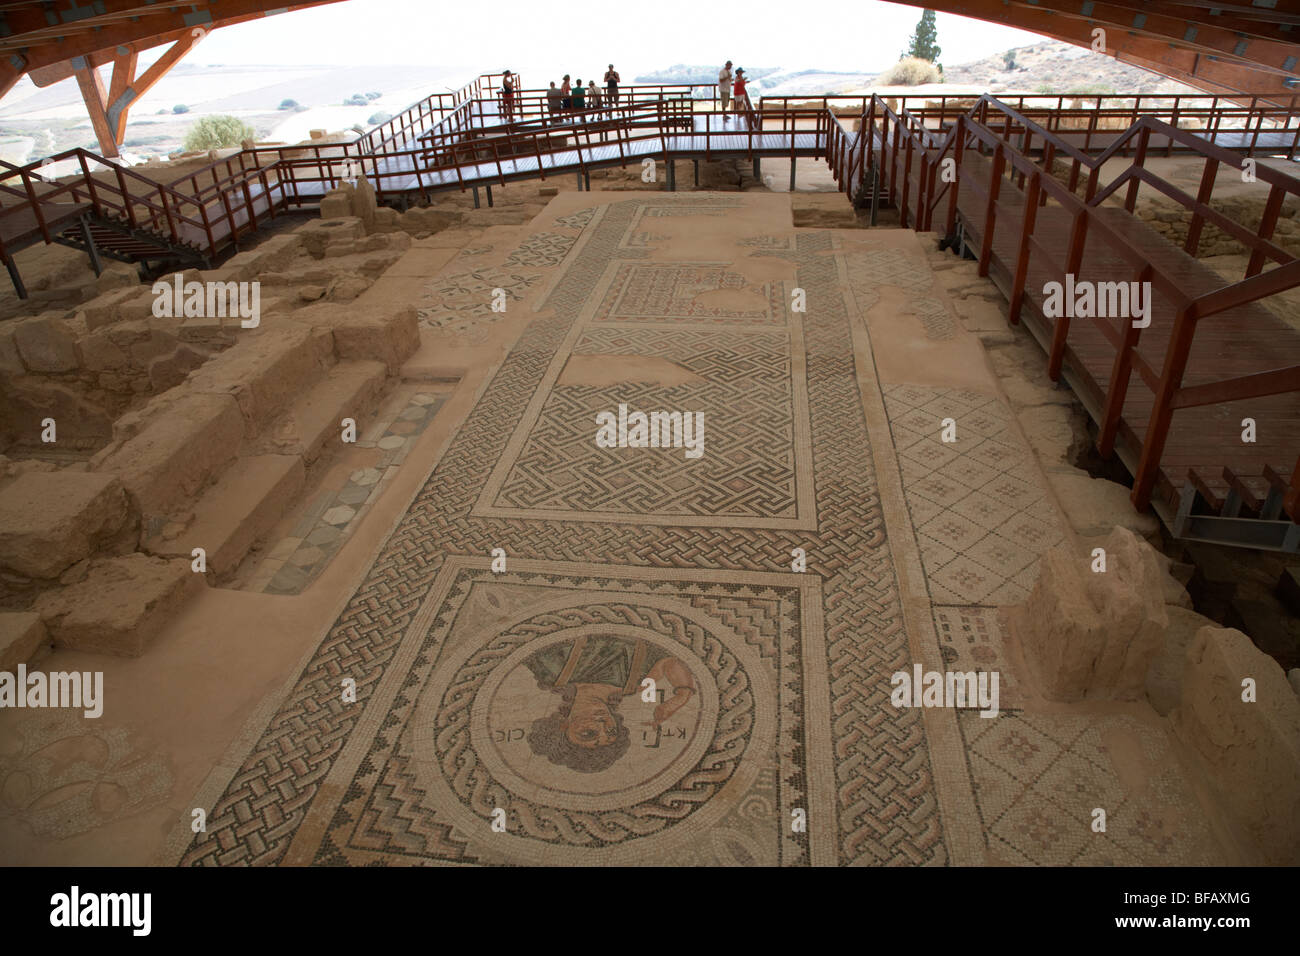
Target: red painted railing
column 896, row 151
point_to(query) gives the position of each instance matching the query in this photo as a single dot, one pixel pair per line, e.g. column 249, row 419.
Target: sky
column 535, row 38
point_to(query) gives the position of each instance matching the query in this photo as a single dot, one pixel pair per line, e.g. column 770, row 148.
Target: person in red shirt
column 739, row 98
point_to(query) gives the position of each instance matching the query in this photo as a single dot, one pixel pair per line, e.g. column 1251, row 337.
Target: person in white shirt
column 724, row 87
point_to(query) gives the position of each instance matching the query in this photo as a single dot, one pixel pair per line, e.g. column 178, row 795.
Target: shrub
column 1009, row 60
column 288, row 105
column 1092, row 89
column 217, row 132
column 180, row 108
column 377, row 118
column 910, row 71
column 356, row 99
column 373, row 96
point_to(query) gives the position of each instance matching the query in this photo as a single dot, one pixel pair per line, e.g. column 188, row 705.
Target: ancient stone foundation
column 178, row 431
column 1250, row 748
column 1091, row 634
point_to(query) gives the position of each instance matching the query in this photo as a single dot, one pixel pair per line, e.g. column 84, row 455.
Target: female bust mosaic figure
column 592, row 674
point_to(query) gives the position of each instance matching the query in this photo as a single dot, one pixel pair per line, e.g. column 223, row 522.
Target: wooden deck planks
column 1239, row 341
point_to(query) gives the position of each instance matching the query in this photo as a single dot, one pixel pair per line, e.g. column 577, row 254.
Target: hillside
column 1052, row 66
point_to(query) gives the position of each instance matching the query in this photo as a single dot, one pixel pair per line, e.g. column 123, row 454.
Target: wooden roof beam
column 123, row 21
column 1194, row 33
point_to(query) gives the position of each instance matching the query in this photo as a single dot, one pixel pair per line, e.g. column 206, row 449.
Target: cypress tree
column 922, row 44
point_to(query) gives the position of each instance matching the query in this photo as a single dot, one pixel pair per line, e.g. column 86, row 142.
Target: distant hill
column 1040, row 67
column 1053, row 66
column 682, row 73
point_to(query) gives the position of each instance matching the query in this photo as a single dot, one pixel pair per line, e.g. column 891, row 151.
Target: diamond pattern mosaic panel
column 981, row 516
column 1039, row 777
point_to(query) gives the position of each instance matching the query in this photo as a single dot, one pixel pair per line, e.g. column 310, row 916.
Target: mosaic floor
column 333, row 514
column 649, row 678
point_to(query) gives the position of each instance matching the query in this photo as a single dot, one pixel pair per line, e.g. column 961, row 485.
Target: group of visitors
column 572, row 97
column 732, row 92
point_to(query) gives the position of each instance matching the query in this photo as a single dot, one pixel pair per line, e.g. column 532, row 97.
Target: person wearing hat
column 739, row 96
column 724, row 87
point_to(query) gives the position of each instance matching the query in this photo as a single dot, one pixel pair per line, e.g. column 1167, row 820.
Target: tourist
column 611, row 86
column 724, row 88
column 739, row 97
column 593, row 95
column 507, row 95
column 579, row 92
column 566, row 100
column 553, row 101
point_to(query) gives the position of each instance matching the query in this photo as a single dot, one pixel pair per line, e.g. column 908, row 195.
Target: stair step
column 349, row 390
column 231, row 515
column 267, row 372
column 21, row 635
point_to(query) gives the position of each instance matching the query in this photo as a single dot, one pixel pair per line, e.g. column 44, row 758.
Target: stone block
column 26, row 403
column 1251, row 749
column 10, row 361
column 1090, row 635
column 99, row 353
column 265, row 370
column 1094, row 506
column 120, row 606
column 21, row 634
column 244, row 504
column 364, row 203
column 390, row 338
column 315, row 418
column 386, row 220
column 167, row 371
column 177, row 449
column 319, row 233
column 1165, row 676
column 46, row 344
column 49, row 522
column 337, row 203
column 117, row 306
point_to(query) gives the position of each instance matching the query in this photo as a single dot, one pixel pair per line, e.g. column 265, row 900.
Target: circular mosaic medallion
column 590, row 724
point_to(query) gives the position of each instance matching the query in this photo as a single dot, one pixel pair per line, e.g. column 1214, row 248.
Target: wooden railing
column 152, row 206
column 897, row 150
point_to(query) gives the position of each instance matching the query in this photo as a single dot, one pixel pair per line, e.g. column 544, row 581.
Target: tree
column 923, row 45
column 218, row 132
column 288, row 104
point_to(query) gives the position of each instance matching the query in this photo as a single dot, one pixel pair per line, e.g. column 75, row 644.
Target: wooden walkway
column 710, row 136
column 1239, row 341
